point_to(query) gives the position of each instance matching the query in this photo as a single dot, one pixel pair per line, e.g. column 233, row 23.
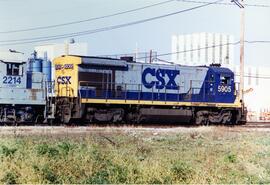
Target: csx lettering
column 64, row 79
column 160, row 75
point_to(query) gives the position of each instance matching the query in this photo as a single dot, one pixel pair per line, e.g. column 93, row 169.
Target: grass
column 217, row 156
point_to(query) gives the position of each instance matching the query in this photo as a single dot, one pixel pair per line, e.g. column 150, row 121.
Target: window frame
column 225, row 79
column 14, row 69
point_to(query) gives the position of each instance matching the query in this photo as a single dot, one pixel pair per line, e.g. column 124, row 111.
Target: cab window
column 13, row 69
column 225, row 80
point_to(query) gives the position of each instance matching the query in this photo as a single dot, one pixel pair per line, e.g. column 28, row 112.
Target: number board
column 12, row 80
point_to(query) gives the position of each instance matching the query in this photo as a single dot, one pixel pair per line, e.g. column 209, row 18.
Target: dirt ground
column 67, row 130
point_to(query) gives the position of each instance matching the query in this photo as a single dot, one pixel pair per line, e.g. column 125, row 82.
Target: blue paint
column 47, row 70
column 29, row 80
column 36, row 65
column 208, row 92
column 212, row 82
column 134, row 95
column 149, row 71
column 12, row 80
column 160, row 74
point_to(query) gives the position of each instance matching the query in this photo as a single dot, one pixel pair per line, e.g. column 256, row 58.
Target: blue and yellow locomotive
column 97, row 89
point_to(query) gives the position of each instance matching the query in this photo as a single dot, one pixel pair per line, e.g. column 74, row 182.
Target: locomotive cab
column 12, row 74
column 221, row 84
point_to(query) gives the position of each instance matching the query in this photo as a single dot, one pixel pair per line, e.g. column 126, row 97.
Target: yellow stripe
column 143, row 102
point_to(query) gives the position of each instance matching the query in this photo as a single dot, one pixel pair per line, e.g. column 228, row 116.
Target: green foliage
column 147, row 158
column 160, row 180
column 119, row 173
column 107, row 171
column 231, row 158
column 143, row 152
column 9, row 178
column 181, row 171
column 48, row 175
column 65, row 147
column 100, row 177
column 5, row 151
column 45, row 149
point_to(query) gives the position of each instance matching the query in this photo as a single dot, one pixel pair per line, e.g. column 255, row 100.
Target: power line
column 185, row 51
column 258, row 41
column 86, row 20
column 255, row 76
column 119, row 13
column 87, row 32
column 221, row 3
column 190, row 50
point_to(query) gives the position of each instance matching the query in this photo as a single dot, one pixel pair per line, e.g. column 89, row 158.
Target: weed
column 231, row 158
column 181, row 171
column 171, row 158
column 7, row 151
column 35, row 168
column 160, row 180
column 65, row 147
column 119, row 173
column 101, row 177
column 49, row 175
column 44, row 149
column 9, row 178
column 143, row 152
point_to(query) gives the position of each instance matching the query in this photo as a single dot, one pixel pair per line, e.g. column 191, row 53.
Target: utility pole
column 242, row 46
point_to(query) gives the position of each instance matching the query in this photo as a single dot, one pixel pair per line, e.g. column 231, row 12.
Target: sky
column 155, row 35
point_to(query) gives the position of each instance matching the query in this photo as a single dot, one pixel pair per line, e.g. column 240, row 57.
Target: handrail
column 112, row 90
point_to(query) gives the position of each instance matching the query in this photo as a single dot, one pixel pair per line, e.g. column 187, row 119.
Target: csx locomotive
column 23, row 93
column 97, row 89
column 100, row 89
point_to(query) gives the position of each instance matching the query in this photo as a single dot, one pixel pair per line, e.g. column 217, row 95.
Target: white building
column 256, row 90
column 202, row 49
column 51, row 51
column 206, row 48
